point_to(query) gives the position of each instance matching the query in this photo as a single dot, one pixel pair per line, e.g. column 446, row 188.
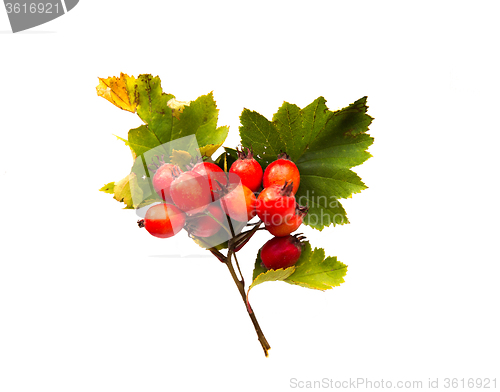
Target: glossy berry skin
column 289, row 225
column 249, row 170
column 280, row 252
column 206, row 226
column 213, row 173
column 240, row 203
column 191, row 192
column 162, row 180
column 164, row 220
column 280, row 171
column 275, row 204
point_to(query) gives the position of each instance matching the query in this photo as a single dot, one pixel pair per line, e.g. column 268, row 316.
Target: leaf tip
column 108, row 188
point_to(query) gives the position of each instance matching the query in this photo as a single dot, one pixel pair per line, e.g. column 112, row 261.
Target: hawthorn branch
column 234, row 244
column 241, row 288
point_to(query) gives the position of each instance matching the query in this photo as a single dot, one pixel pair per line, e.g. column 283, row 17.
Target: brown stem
column 217, row 254
column 240, row 284
column 242, row 280
column 241, row 288
column 241, row 240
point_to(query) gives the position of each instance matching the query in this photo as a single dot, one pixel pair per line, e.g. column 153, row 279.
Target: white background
column 88, row 302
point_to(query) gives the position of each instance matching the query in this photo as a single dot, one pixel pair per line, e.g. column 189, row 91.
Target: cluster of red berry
column 201, row 198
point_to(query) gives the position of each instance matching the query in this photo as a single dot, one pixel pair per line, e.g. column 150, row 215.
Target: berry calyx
column 248, row 169
column 276, row 203
column 290, row 224
column 281, row 171
column 163, row 220
column 190, row 192
column 213, row 173
column 281, row 252
column 205, row 225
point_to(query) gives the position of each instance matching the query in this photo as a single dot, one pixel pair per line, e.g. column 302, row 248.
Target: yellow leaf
column 128, row 191
column 181, row 158
column 209, row 149
column 118, row 91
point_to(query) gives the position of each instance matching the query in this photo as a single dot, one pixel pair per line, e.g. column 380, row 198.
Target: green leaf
column 262, row 275
column 220, row 133
column 288, row 121
column 323, row 210
column 165, row 120
column 142, row 139
column 315, row 116
column 259, row 134
column 325, row 145
column 259, row 267
column 343, row 141
column 152, row 107
column 227, row 158
column 200, row 119
column 314, row 271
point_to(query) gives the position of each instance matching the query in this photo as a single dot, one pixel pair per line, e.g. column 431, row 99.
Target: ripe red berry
column 163, row 220
column 248, row 169
column 239, row 202
column 280, row 171
column 205, row 225
column 191, row 192
column 290, row 224
column 275, row 204
column 213, row 173
column 281, row 252
column 163, row 178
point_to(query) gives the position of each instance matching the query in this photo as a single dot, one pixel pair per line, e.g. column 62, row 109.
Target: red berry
column 206, row 226
column 290, row 224
column 281, row 252
column 163, row 179
column 213, row 173
column 191, row 192
column 239, row 203
column 280, row 171
column 275, row 204
column 163, row 220
column 248, row 169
